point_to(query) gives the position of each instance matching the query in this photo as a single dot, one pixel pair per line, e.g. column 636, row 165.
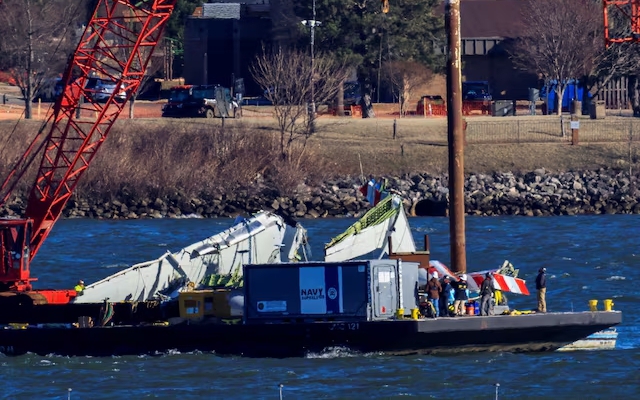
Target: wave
column 338, row 352
column 616, row 278
column 190, row 216
column 122, row 266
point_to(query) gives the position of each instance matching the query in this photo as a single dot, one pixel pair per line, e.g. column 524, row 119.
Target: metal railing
column 552, row 131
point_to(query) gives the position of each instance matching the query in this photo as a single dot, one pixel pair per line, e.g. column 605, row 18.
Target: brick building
column 487, row 28
column 222, row 39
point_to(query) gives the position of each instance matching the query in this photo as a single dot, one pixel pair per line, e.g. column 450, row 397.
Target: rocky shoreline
column 536, row 193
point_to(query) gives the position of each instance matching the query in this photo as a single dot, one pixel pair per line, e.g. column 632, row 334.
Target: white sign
column 321, row 290
column 384, row 277
column 575, row 124
column 272, row 306
column 312, row 291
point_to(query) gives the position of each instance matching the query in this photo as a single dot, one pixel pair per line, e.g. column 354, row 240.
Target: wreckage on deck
column 384, row 230
column 263, row 238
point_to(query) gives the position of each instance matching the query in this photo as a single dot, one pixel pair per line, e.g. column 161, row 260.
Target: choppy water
column 586, row 257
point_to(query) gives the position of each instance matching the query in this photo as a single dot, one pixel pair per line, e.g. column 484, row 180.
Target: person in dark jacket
column 541, row 286
column 486, row 291
column 444, row 297
column 433, row 293
column 461, row 296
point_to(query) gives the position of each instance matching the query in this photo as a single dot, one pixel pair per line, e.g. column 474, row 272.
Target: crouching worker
column 79, row 288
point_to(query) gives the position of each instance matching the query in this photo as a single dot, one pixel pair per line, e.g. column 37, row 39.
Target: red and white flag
column 500, row 282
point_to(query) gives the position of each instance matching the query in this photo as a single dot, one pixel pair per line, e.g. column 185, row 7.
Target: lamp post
column 312, row 23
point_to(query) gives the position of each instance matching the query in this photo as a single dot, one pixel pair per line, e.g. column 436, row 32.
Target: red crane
column 116, row 46
column 621, row 21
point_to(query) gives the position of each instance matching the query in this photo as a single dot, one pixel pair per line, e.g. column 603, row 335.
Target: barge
column 290, row 310
column 524, row 333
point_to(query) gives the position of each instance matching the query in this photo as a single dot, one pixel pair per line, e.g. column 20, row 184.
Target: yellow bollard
column 415, row 313
column 593, row 305
column 608, row 305
column 400, row 313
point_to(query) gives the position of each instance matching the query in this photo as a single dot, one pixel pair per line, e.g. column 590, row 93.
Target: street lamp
column 312, row 23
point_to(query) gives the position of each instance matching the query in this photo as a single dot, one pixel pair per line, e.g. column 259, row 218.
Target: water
column 587, row 257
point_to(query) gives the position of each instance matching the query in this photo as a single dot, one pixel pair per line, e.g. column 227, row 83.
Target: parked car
column 102, row 89
column 352, row 93
column 49, row 90
column 476, row 90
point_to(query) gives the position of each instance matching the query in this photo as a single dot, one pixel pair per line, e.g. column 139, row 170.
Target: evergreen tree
column 360, row 32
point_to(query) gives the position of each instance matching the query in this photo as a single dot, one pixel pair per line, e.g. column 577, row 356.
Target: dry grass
column 158, row 156
column 420, row 145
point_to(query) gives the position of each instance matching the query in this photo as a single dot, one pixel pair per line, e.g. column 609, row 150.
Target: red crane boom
column 116, row 46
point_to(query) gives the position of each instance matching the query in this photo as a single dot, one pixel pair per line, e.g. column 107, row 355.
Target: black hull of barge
column 524, row 333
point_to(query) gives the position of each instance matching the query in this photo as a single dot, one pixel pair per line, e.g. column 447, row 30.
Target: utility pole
column 455, row 135
column 312, row 27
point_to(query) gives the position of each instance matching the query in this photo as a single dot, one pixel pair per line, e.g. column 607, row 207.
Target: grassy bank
column 156, row 155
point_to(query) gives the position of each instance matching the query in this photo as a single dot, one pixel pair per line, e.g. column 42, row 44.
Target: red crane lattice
column 116, row 46
column 621, row 21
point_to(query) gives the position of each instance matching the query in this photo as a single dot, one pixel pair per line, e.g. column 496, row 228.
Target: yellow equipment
column 608, row 305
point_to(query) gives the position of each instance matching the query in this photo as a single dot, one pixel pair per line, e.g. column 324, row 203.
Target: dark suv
column 200, row 101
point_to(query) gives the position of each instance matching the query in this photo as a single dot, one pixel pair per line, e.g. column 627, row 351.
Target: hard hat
column 435, row 274
column 463, row 277
column 80, row 282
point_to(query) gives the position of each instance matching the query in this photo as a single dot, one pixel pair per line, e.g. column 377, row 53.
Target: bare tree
column 405, row 77
column 285, row 75
column 36, row 38
column 560, row 40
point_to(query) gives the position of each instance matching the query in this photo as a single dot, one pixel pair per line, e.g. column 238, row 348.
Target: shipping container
column 311, row 291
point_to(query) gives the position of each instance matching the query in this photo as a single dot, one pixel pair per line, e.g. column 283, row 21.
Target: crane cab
column 15, row 260
column 14, row 254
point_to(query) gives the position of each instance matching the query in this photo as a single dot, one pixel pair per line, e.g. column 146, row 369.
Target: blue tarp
column 573, row 91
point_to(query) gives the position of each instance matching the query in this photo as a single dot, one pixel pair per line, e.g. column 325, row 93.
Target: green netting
column 378, row 214
column 232, row 280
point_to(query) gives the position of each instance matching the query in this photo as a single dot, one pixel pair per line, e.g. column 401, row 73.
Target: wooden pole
column 575, row 130
column 455, row 134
